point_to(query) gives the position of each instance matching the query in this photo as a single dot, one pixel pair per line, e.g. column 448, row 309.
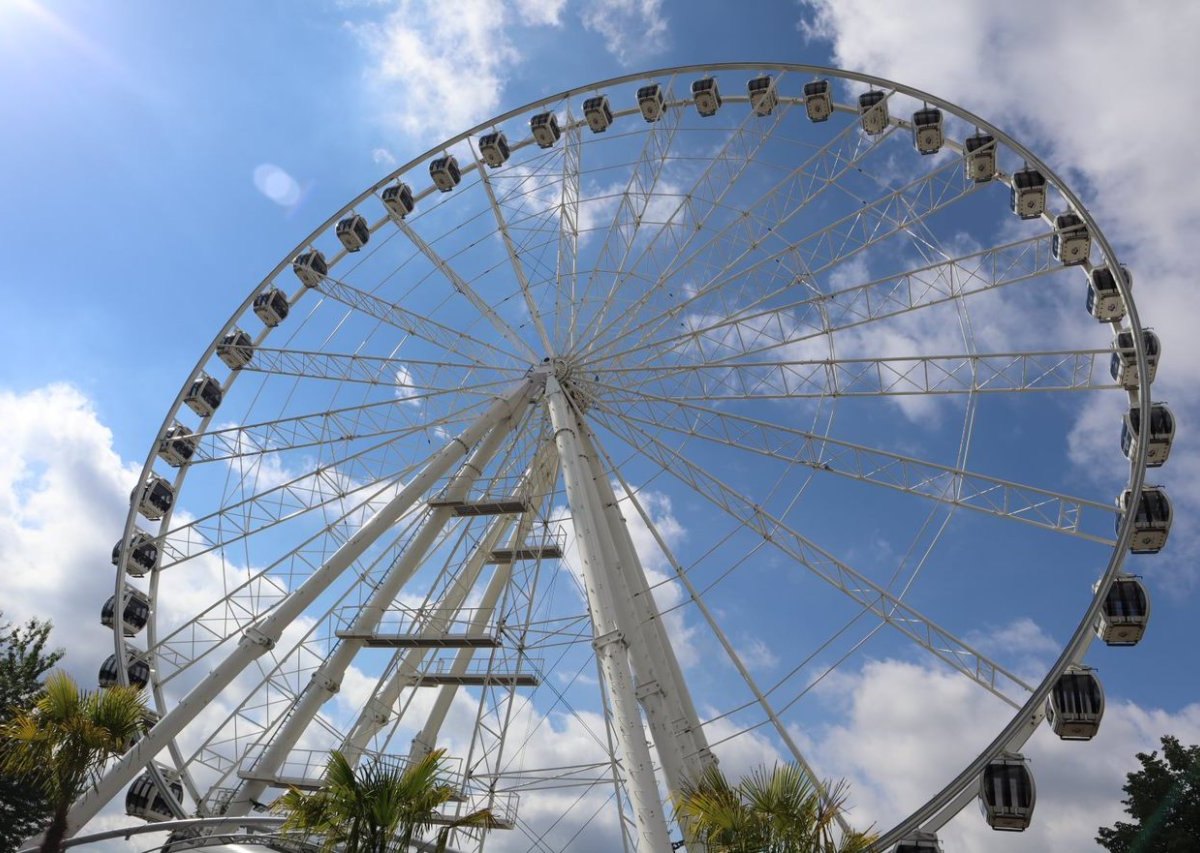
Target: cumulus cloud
column 406, row 387
column 633, row 30
column 439, row 73
column 908, row 729
column 541, row 12
column 64, row 494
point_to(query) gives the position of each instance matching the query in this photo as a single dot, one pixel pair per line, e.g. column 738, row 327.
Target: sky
column 162, row 159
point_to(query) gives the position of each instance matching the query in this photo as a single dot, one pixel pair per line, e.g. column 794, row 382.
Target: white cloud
column 541, row 12
column 756, row 654
column 936, row 722
column 405, row 390
column 633, row 30
column 438, row 73
column 668, row 593
column 64, row 493
column 383, row 157
column 1022, row 635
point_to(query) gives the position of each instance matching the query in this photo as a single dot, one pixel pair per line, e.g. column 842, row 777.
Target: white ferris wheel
column 652, row 368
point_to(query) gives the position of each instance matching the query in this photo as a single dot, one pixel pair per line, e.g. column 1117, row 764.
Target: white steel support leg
column 674, row 725
column 587, row 519
column 262, row 636
column 426, row 740
column 327, row 680
column 378, row 711
column 683, row 733
column 650, row 678
column 734, row 657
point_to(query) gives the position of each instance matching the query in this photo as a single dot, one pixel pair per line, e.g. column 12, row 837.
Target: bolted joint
column 255, row 636
column 648, row 688
column 706, row 757
column 681, row 727
column 605, row 640
column 326, row 682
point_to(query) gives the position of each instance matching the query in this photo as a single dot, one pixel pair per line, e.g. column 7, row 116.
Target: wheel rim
column 606, row 338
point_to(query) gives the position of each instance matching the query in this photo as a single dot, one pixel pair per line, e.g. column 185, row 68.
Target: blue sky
column 162, row 159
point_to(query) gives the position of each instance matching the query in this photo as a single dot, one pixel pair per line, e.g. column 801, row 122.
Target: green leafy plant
column 24, row 659
column 770, row 811
column 377, row 808
column 61, row 744
column 1164, row 802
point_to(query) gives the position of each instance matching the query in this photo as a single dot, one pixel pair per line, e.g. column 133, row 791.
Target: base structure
column 643, row 684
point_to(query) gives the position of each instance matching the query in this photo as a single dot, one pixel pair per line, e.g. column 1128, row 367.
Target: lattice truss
column 489, row 469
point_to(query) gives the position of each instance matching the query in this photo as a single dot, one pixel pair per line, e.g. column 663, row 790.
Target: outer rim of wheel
column 947, row 802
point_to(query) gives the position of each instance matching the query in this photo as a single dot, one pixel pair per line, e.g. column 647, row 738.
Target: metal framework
column 633, row 396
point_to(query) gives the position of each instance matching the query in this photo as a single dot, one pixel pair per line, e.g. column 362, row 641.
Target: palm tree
column 63, row 742
column 380, row 808
column 776, row 811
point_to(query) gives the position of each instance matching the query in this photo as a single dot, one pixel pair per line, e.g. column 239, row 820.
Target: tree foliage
column 376, row 808
column 24, row 659
column 62, row 743
column 1164, row 802
column 775, row 811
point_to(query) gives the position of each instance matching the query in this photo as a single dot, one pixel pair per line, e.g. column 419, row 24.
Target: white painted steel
column 610, row 641
column 615, row 326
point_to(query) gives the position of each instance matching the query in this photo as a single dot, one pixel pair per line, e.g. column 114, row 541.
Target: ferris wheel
column 521, row 451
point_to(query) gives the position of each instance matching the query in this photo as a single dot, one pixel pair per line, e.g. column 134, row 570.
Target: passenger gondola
column 398, row 199
column 136, row 669
column 1104, row 300
column 1007, row 793
column 144, row 799
column 818, row 102
column 203, row 395
column 493, row 147
column 1159, row 437
column 544, row 127
column 1123, row 364
column 927, row 130
column 706, row 96
column 236, row 349
column 763, row 97
column 134, row 615
column 143, row 554
column 352, row 231
column 154, row 497
column 1075, row 705
column 598, row 113
column 178, row 446
column 445, row 173
column 271, row 306
column 1125, row 613
column 873, row 109
column 1027, row 193
column 1151, row 520
column 1072, row 242
column 979, row 157
column 310, row 267
column 651, row 102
